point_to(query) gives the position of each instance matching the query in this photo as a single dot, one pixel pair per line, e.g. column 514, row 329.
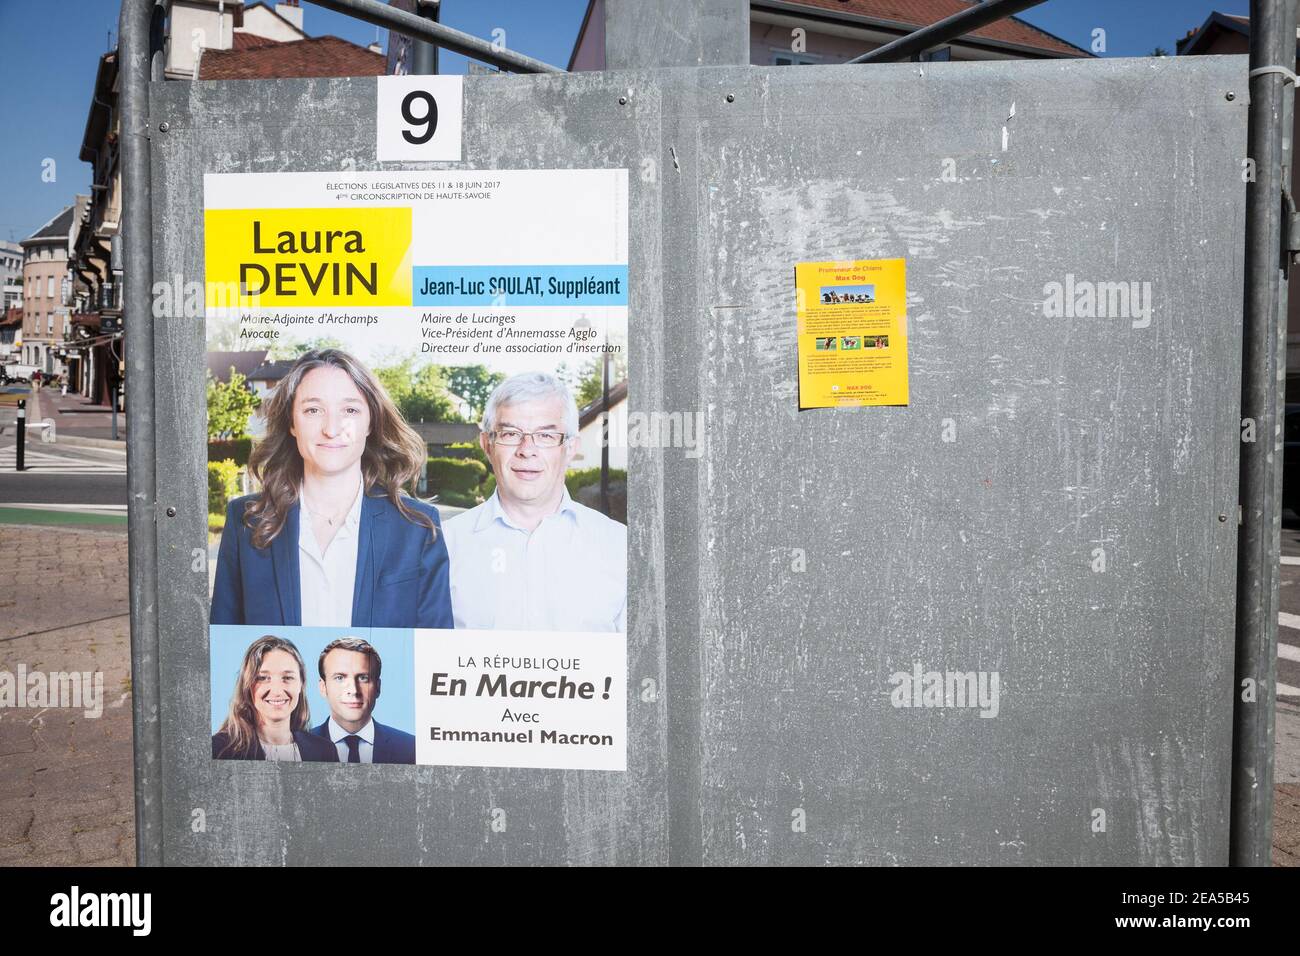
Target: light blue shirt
column 568, row 574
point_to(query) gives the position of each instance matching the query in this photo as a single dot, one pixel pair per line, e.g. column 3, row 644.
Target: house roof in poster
column 245, row 363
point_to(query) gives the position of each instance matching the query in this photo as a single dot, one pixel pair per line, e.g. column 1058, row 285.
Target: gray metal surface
column 975, row 554
column 779, row 580
column 139, row 27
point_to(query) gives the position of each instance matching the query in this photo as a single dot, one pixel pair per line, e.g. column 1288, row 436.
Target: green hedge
column 468, row 449
column 236, row 449
column 581, row 477
column 457, row 499
column 462, row 475
column 223, row 484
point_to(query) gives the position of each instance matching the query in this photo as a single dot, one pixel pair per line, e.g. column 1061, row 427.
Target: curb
column 77, row 441
column 36, row 412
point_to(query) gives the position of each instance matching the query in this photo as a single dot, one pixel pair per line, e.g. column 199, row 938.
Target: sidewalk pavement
column 73, row 415
column 66, row 787
column 1286, row 824
column 1286, row 790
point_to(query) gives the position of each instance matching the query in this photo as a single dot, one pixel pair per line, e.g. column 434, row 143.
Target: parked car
column 20, row 373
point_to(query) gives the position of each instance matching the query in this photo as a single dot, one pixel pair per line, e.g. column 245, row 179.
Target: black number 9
column 429, row 120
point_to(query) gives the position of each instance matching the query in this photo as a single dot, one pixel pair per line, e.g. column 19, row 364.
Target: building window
column 786, row 58
column 939, row 54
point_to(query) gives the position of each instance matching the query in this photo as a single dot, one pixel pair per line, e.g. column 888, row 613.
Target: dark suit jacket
column 309, row 746
column 391, row 745
column 402, row 572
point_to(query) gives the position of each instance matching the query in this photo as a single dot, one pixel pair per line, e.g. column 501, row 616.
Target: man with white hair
column 530, row 558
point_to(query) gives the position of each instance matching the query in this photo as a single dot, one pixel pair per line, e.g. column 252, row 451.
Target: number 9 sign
column 419, row 118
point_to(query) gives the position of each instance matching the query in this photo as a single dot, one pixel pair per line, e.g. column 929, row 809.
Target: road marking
column 47, row 464
column 1288, row 620
column 1286, row 690
column 1287, row 652
column 1288, row 559
column 108, row 509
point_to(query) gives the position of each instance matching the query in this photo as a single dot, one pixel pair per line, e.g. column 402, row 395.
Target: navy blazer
column 309, row 747
column 402, row 571
column 391, row 745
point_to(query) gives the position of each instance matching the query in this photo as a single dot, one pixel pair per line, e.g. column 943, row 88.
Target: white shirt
column 568, row 574
column 367, row 746
column 326, row 580
column 281, row 753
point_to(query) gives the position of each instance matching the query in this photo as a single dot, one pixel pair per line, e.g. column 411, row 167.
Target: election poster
column 417, row 466
column 852, row 333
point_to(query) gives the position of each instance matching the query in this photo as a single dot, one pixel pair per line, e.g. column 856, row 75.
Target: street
column 63, row 475
column 1288, row 632
column 78, row 478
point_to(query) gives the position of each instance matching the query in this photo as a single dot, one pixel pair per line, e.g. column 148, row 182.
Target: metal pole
column 1272, row 43
column 138, row 31
column 114, row 399
column 949, row 28
column 418, row 28
column 20, row 449
column 424, row 55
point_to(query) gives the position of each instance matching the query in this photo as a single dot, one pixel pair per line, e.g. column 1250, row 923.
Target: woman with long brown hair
column 268, row 717
column 331, row 540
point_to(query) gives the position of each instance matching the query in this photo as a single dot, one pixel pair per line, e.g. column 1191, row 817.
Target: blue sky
column 48, row 76
column 1133, row 27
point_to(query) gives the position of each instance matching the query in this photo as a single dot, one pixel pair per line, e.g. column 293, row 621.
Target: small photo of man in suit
column 350, row 681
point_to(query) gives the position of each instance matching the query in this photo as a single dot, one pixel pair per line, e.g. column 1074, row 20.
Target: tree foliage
column 230, row 404
column 588, row 382
column 420, row 394
column 474, row 383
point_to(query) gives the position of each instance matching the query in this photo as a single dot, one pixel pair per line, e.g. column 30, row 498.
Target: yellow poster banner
column 852, row 332
column 353, row 256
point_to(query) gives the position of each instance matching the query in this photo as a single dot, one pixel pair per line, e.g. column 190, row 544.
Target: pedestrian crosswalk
column 1288, row 649
column 68, row 461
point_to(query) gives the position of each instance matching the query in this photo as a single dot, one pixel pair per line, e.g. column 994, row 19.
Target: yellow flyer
column 852, row 332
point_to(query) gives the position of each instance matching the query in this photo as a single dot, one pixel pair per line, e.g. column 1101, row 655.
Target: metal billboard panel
column 1057, row 504
column 779, row 580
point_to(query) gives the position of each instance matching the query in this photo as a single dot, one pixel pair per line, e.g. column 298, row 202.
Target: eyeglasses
column 516, row 436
